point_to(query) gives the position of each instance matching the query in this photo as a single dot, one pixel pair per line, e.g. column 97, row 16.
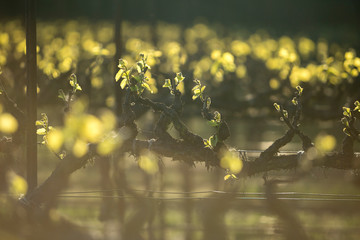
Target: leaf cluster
column 135, row 80
column 349, row 120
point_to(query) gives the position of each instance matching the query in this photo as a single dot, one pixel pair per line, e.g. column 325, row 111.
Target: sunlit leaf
column 62, row 155
column 197, row 91
column 346, row 131
column 195, row 96
column 167, row 83
column 208, row 103
column 277, row 107
column 285, row 113
column 346, row 112
column 230, row 176
column 300, row 90
column 41, row 131
column 139, row 66
column 195, row 88
column 61, row 95
column 213, row 123
column 122, row 63
column 207, row 143
column 78, row 87
column 123, row 83
column 227, row 176
column 345, row 121
column 357, row 106
column 179, row 78
column 147, row 86
column 217, row 116
column 39, row 123
column 73, row 80
column 213, row 140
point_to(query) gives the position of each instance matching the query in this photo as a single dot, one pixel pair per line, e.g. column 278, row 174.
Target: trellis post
column 31, row 94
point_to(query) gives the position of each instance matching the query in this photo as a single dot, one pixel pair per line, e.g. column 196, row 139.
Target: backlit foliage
column 71, row 46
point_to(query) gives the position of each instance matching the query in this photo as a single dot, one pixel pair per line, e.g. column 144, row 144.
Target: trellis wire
column 295, row 196
column 207, row 198
column 215, row 191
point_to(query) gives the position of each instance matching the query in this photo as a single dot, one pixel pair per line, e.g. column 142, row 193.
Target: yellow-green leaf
column 227, row 176
column 277, row 107
column 147, row 86
column 39, row 123
column 123, row 83
column 118, row 75
column 167, row 83
column 195, row 96
column 41, row 131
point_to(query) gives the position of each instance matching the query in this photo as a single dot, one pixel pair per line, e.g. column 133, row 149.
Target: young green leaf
column 227, row 176
column 139, row 66
column 61, row 95
column 213, row 140
column 122, row 63
column 345, row 121
column 39, row 123
column 147, row 86
column 202, row 89
column 213, row 123
column 73, row 80
column 347, row 112
column 197, row 91
column 208, row 103
column 195, row 87
column 195, row 96
column 207, row 143
column 167, row 83
column 277, row 107
column 41, row 131
column 119, row 75
column 217, row 116
column 78, row 87
column 179, row 78
column 123, row 83
column 285, row 113
column 345, row 130
column 300, row 90
column 357, row 106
